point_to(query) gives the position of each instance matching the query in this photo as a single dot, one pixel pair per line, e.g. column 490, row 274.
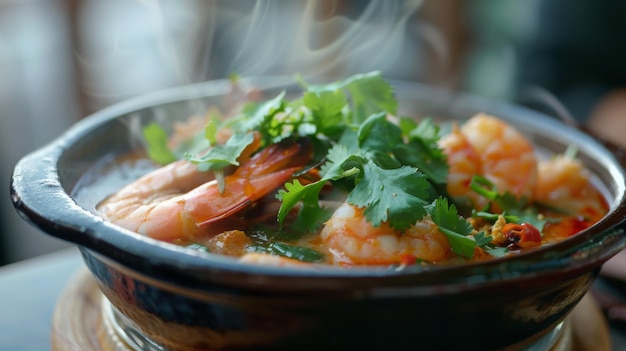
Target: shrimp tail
column 254, row 189
column 263, row 173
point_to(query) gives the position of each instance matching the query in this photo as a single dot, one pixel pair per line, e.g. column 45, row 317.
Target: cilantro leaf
column 210, row 132
column 156, row 140
column 482, row 239
column 220, row 156
column 426, row 131
column 295, row 192
column 378, row 133
column 370, row 94
column 453, row 226
column 310, row 218
column 497, row 251
column 391, row 195
column 327, row 108
column 259, row 117
column 422, row 150
column 341, row 163
column 446, row 215
column 484, row 242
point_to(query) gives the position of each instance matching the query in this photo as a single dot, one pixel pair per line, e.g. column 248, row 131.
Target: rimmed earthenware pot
column 182, row 299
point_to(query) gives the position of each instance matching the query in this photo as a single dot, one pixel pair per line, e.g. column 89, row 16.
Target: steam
column 129, row 48
column 164, row 40
column 308, row 38
column 542, row 97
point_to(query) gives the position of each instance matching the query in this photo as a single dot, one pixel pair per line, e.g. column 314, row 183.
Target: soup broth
column 327, row 180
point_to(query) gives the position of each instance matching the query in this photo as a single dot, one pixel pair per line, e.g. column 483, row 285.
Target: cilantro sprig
column 453, row 226
column 374, row 177
column 514, row 209
column 369, row 92
column 156, row 140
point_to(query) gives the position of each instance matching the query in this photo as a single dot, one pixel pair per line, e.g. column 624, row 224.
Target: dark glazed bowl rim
column 39, row 195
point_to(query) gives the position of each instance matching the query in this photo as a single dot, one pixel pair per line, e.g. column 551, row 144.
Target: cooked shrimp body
column 489, row 147
column 565, row 183
column 165, row 205
column 352, row 240
column 175, row 178
column 507, row 157
column 464, row 163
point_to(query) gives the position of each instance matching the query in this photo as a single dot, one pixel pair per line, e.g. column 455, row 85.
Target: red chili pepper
column 523, row 235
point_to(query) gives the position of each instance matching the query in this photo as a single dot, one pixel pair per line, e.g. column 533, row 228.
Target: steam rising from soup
column 146, row 45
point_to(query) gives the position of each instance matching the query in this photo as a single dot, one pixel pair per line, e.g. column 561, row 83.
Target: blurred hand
column 608, row 119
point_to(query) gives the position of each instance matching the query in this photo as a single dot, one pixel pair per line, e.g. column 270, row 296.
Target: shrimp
column 489, row 147
column 352, row 240
column 564, row 183
column 464, row 163
column 507, row 157
column 177, row 202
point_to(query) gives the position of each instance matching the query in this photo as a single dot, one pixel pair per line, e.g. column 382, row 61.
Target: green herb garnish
column 515, row 210
column 453, row 226
column 395, row 171
column 156, row 140
column 266, row 241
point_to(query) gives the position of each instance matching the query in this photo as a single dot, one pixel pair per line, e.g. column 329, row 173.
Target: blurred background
column 61, row 60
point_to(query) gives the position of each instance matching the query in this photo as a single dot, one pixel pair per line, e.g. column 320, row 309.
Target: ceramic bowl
column 181, row 299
